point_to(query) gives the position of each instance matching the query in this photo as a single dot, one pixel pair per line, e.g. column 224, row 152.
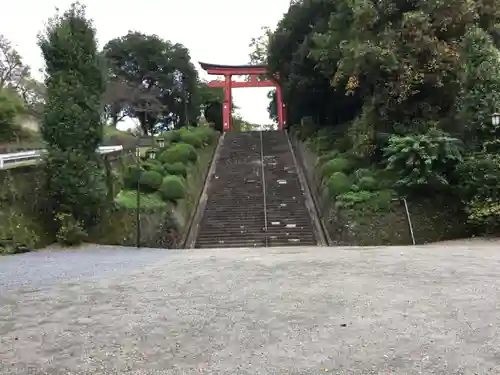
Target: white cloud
column 215, row 31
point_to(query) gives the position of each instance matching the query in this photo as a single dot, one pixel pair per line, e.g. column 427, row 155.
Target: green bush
column 172, row 136
column 179, row 153
column 70, row 232
column 150, row 181
column 380, row 200
column 338, row 183
column 131, row 176
column 176, row 169
column 154, row 166
column 326, row 157
column 351, row 198
column 207, row 134
column 367, row 183
column 335, row 165
column 191, row 138
column 479, row 188
column 172, row 189
column 423, row 159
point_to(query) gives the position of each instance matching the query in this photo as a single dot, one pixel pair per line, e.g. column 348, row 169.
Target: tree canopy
column 388, row 62
column 151, row 80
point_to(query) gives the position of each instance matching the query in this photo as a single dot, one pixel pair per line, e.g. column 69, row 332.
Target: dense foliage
column 10, row 107
column 71, row 124
column 152, row 80
column 405, row 85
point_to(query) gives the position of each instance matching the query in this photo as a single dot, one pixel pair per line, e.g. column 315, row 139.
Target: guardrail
column 34, row 156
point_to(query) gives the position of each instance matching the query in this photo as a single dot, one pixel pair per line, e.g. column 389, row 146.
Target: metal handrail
column 35, row 155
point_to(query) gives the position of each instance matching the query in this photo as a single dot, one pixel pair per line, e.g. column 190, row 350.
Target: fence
column 33, row 157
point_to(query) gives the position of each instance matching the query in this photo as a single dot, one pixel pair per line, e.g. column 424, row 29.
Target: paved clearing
column 424, row 310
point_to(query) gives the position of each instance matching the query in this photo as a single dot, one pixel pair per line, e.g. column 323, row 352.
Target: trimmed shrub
column 338, row 183
column 178, row 169
column 367, row 183
column 179, row 153
column 154, row 166
column 172, row 136
column 172, row 189
column 335, row 165
column 131, row 176
column 150, row 181
column 192, row 139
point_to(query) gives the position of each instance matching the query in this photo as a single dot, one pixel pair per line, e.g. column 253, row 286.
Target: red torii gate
column 237, row 70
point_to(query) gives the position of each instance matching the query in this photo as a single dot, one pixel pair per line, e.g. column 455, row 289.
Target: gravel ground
column 396, row 310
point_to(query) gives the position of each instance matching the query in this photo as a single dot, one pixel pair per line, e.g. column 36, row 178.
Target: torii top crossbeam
column 234, row 69
column 251, row 70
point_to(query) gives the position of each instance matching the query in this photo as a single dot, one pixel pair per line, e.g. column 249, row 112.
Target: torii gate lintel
column 228, row 84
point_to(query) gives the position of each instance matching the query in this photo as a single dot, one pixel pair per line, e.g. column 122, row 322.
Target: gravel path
column 423, row 310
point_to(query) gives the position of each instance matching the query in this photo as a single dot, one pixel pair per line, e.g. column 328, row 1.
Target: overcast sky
column 215, row 31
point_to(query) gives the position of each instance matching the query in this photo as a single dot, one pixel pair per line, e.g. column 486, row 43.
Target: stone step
column 236, row 208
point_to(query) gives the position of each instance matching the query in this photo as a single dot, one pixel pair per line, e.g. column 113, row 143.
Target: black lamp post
column 138, row 193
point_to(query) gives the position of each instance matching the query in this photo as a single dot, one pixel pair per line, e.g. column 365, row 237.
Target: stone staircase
column 254, row 197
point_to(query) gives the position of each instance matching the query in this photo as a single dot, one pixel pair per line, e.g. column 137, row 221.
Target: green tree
column 259, row 47
column 16, row 76
column 307, row 89
column 71, row 125
column 12, row 69
column 160, row 77
column 378, row 66
column 479, row 96
column 10, row 106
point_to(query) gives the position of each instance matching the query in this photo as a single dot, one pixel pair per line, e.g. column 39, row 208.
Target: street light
column 161, row 142
column 495, row 119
